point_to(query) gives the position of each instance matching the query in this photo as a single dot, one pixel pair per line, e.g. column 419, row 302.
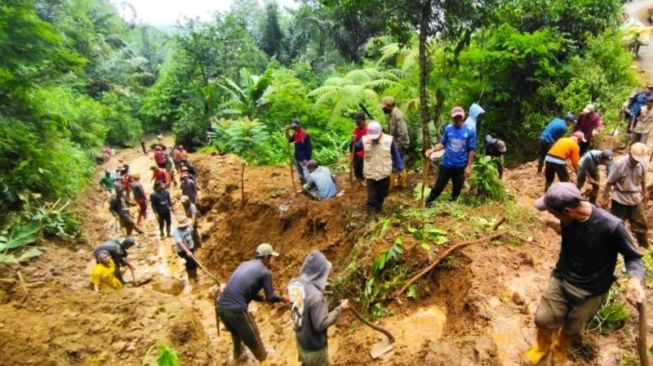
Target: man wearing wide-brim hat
column 185, row 246
column 626, row 186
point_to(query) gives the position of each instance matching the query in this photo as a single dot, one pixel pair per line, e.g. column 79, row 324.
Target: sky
column 167, row 12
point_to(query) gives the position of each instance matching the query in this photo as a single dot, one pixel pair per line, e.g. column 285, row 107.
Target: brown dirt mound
column 271, row 213
column 59, row 326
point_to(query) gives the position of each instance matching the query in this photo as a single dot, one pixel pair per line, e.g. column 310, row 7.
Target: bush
column 249, row 139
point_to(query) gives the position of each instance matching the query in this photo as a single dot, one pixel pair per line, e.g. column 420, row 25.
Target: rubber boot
column 393, row 181
column 541, row 349
column 403, row 179
column 560, row 347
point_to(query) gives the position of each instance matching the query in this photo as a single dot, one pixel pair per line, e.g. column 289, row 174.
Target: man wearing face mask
column 458, row 142
column 382, row 158
column 398, row 129
column 584, row 273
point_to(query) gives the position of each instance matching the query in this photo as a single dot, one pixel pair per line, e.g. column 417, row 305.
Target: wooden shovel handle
column 391, row 338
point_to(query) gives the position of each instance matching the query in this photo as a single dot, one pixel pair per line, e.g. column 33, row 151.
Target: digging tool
column 642, row 346
column 369, row 115
column 292, row 169
column 204, row 268
column 385, row 345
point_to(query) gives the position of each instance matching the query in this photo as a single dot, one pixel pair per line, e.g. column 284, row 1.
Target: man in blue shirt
column 303, row 146
column 552, row 133
column 458, row 142
column 634, row 105
column 243, row 287
column 185, row 247
column 320, row 184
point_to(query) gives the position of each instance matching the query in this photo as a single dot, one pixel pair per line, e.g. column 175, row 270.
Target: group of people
column 306, row 297
column 122, row 186
column 378, row 158
column 592, row 237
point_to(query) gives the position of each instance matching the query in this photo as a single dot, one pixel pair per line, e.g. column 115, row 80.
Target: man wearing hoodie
column 310, row 310
column 244, row 286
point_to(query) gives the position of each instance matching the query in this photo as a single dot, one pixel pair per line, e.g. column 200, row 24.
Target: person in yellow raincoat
column 102, row 276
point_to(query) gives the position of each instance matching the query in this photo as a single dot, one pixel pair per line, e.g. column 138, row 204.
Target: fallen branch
column 439, row 260
column 498, row 223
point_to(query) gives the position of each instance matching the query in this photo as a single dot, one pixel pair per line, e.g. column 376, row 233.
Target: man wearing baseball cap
column 564, row 149
column 589, row 170
column 643, row 123
column 398, row 129
column 243, row 287
column 459, row 143
column 382, row 158
column 584, row 273
column 626, row 185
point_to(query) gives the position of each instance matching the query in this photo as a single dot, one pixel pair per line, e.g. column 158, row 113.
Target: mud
column 475, row 309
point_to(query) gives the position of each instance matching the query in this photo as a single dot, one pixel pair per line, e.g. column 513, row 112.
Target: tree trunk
column 423, row 73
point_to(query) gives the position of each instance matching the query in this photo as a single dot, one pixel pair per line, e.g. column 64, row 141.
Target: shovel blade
column 381, row 348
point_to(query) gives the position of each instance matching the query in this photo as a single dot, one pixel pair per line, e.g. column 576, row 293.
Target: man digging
column 584, row 273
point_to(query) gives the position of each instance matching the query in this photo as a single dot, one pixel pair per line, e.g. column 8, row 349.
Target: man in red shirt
column 357, row 153
column 160, row 157
column 588, row 121
column 160, row 175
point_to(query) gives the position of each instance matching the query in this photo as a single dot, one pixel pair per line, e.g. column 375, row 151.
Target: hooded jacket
column 475, row 113
column 310, row 311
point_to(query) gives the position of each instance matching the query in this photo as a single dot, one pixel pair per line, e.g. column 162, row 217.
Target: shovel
column 382, row 347
column 642, row 347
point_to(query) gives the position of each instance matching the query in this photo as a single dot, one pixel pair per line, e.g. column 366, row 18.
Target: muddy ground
column 476, row 309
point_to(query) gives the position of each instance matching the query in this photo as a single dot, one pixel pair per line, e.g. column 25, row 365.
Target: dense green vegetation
column 75, row 76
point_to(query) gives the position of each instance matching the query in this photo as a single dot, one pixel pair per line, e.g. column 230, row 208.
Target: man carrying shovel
column 310, row 310
column 243, row 287
column 591, row 240
column 184, row 246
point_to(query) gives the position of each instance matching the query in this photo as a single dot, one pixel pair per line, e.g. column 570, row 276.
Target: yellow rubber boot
column 393, row 180
column 541, row 349
column 560, row 347
column 403, row 178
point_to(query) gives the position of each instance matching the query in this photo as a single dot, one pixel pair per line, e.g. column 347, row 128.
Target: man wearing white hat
column 382, row 158
column 244, row 286
column 628, row 178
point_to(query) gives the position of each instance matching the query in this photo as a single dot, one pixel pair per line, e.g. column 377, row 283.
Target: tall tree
column 451, row 21
column 271, row 35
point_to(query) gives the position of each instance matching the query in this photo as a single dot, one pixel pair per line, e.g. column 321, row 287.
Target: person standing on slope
column 244, row 286
column 552, row 133
column 591, row 240
column 310, row 310
column 459, row 143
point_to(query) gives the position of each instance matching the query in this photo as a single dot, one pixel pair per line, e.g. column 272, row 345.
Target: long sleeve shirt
column 588, row 254
column 161, row 201
column 245, row 284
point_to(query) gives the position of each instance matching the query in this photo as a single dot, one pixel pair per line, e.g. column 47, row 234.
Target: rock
column 518, row 298
column 168, row 285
